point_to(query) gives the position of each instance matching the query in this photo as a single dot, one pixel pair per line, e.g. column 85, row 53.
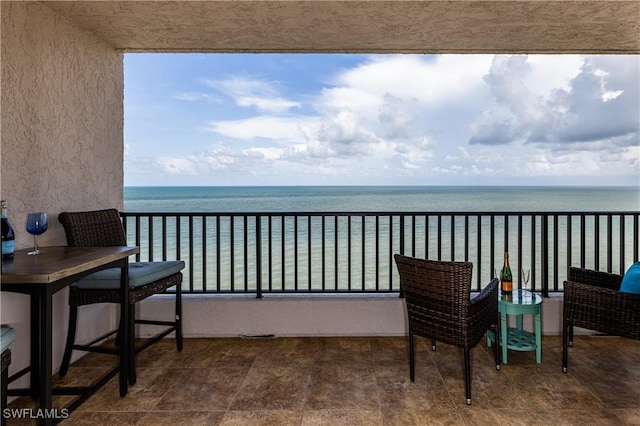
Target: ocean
column 354, row 253
column 380, row 199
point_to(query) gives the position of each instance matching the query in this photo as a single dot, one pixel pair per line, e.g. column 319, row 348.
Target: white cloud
column 431, row 80
column 196, row 97
column 183, row 165
column 596, row 102
column 252, row 92
column 267, row 104
column 268, row 154
column 279, row 129
column 548, row 73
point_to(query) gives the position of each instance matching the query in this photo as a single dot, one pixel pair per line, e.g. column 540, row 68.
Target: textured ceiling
column 361, row 26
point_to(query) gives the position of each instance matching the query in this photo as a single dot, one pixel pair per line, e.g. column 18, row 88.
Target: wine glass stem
column 35, row 244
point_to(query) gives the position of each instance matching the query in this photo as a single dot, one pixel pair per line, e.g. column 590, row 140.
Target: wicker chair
column 104, row 228
column 440, row 308
column 593, row 300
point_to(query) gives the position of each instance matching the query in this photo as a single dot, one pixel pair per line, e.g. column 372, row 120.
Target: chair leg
column 433, row 344
column 412, row 359
column 71, row 336
column 571, row 336
column 467, row 375
column 179, row 317
column 567, row 330
column 496, row 349
column 118, row 340
column 5, row 385
column 132, row 345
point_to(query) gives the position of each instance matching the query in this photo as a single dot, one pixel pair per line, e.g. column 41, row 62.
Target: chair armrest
column 595, row 278
column 485, row 305
column 485, row 295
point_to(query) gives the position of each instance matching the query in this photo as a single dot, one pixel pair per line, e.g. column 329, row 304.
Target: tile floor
column 362, row 381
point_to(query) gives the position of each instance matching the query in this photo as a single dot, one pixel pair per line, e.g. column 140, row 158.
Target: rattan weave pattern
column 93, row 228
column 593, row 300
column 440, row 308
column 439, row 304
column 85, row 296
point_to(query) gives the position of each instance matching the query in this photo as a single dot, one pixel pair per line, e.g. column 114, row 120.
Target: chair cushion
column 631, row 279
column 6, row 338
column 140, row 273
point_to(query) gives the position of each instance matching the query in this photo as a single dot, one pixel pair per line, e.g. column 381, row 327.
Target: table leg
column 504, row 330
column 538, row 322
column 34, row 335
column 46, row 353
column 519, row 322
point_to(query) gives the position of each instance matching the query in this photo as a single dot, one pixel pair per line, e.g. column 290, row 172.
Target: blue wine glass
column 37, row 223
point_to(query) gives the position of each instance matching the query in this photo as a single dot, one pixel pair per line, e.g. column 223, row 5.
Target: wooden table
column 41, row 277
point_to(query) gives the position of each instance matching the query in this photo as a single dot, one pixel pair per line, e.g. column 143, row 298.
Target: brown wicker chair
column 104, row 228
column 440, row 308
column 593, row 300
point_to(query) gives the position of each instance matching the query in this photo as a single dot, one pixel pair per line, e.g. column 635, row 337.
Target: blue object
column 631, row 279
column 140, row 273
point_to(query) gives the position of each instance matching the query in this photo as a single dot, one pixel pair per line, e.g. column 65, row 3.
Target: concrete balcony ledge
column 307, row 315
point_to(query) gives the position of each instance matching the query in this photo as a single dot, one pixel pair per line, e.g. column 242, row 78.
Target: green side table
column 521, row 302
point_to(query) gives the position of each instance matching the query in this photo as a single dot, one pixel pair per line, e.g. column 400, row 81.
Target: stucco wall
column 62, row 147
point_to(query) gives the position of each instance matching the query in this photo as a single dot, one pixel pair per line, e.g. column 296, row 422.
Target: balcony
column 62, row 123
column 245, row 269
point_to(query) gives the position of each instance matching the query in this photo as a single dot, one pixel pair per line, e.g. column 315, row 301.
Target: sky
column 355, row 119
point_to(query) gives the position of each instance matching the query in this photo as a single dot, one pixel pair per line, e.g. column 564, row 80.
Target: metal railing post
column 545, row 255
column 259, row 256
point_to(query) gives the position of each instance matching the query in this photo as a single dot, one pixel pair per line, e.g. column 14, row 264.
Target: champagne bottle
column 8, row 237
column 505, row 276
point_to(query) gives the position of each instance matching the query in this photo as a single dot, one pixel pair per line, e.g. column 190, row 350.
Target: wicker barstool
column 440, row 308
column 593, row 300
column 6, row 339
column 104, row 228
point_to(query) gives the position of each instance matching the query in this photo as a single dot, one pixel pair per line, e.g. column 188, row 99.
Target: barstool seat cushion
column 140, row 273
column 6, row 338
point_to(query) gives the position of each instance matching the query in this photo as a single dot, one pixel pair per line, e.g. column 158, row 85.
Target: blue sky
column 345, row 119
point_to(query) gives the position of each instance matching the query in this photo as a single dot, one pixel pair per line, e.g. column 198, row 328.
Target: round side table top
column 520, row 297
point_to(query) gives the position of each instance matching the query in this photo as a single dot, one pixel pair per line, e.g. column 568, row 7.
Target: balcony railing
column 340, row 252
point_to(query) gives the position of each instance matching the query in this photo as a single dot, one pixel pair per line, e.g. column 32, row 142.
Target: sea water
column 380, row 199
column 297, row 263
